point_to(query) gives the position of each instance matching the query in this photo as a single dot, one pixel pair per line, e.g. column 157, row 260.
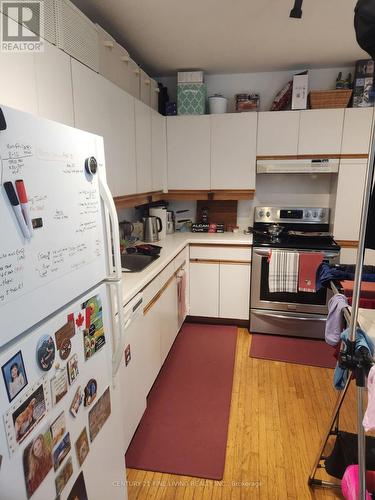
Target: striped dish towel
column 283, row 271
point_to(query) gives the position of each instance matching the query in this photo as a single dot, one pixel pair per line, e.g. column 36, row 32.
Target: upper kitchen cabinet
column 102, row 108
column 131, row 76
column 320, row 132
column 349, row 198
column 278, row 133
column 158, row 151
column 188, row 147
column 143, row 147
column 357, row 131
column 120, row 146
column 154, row 97
column 233, row 150
column 54, row 85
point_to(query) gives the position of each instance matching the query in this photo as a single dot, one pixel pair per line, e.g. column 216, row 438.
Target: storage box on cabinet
column 145, row 88
column 107, row 54
column 76, row 34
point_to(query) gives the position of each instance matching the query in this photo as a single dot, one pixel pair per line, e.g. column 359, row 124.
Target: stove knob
column 261, row 213
column 308, row 214
column 268, row 214
column 315, row 215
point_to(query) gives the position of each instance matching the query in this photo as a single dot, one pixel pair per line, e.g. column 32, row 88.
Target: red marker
column 22, row 196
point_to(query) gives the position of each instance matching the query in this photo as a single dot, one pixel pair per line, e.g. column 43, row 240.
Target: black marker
column 12, row 197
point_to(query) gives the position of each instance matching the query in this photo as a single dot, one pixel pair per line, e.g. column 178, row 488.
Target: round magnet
column 90, row 392
column 66, row 347
column 91, row 165
column 45, row 352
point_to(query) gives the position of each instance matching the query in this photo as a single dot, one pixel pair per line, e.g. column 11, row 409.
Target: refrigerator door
column 42, row 410
column 67, row 252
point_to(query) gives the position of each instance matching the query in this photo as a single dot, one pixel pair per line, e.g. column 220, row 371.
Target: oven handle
column 264, row 252
column 286, row 316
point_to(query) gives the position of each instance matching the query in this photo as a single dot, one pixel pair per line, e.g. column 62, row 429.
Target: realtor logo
column 22, row 26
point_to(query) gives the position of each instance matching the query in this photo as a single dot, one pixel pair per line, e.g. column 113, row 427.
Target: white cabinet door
column 90, row 108
column 145, row 88
column 54, row 85
column 188, row 146
column 320, row 131
column 120, row 145
column 278, row 133
column 204, row 289
column 168, row 318
column 357, row 130
column 349, row 196
column 18, row 85
column 152, row 357
column 158, row 151
column 234, row 291
column 233, row 150
column 143, row 147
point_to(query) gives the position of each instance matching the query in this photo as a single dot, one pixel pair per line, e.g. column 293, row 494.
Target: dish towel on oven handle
column 283, row 271
column 309, row 263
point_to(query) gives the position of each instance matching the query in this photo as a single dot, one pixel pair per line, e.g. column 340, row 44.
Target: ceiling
column 223, row 36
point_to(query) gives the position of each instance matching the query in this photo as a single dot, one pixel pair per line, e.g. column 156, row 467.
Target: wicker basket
column 322, row 99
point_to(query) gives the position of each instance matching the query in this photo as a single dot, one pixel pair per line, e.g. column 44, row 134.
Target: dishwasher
column 131, row 370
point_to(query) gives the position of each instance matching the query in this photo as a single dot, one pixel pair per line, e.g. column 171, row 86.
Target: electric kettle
column 152, row 226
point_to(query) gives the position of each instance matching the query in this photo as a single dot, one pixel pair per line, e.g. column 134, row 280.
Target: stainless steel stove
column 304, row 229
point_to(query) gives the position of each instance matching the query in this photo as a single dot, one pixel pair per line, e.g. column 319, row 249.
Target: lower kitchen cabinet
column 168, row 308
column 204, row 289
column 234, row 298
column 219, row 289
column 152, row 360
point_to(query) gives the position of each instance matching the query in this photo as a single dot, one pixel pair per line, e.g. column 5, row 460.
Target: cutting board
column 219, row 211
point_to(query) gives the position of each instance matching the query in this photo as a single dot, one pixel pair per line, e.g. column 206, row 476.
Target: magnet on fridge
column 128, row 355
column 14, row 374
column 72, row 367
column 90, row 392
column 45, row 352
column 37, row 222
column 76, row 402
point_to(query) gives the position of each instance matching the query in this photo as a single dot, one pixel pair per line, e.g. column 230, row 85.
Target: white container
column 190, row 77
column 217, row 104
column 162, row 213
column 300, row 91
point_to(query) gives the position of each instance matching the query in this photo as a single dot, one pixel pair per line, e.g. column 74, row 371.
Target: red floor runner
column 292, row 350
column 185, row 426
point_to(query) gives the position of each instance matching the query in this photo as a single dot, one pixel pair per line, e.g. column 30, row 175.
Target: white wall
column 266, row 84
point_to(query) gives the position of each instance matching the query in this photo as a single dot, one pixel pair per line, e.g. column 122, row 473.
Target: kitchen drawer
column 157, row 283
column 182, row 257
column 240, row 253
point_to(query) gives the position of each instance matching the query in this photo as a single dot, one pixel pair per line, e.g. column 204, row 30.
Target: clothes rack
column 354, row 365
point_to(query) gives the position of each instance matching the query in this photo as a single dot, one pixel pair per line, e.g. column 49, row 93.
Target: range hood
column 304, row 166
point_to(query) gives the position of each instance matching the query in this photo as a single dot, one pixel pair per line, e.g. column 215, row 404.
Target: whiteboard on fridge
column 67, row 253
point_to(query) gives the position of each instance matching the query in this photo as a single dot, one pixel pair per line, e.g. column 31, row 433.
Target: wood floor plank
column 279, row 413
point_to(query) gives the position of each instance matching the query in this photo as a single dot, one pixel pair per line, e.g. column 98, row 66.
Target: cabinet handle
column 109, row 44
column 124, row 59
column 156, row 89
column 147, row 82
column 136, row 71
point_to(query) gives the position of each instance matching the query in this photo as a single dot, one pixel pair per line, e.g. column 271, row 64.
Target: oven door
column 300, row 302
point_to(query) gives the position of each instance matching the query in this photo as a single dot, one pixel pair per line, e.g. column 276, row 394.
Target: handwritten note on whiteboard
column 66, row 255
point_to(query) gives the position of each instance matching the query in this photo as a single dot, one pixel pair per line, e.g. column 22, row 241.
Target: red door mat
column 292, row 350
column 185, row 426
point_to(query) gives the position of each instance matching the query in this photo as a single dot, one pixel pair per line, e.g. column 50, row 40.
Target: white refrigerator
column 61, row 430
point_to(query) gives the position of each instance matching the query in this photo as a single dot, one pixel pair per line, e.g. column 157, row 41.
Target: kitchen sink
column 135, row 262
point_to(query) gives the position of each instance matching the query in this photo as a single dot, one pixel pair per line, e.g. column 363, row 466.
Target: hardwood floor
column 279, row 412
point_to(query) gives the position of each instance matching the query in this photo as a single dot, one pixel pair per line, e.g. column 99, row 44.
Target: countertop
column 172, row 245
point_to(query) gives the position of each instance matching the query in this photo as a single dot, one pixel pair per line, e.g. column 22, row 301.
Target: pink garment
column 350, row 483
column 369, row 418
